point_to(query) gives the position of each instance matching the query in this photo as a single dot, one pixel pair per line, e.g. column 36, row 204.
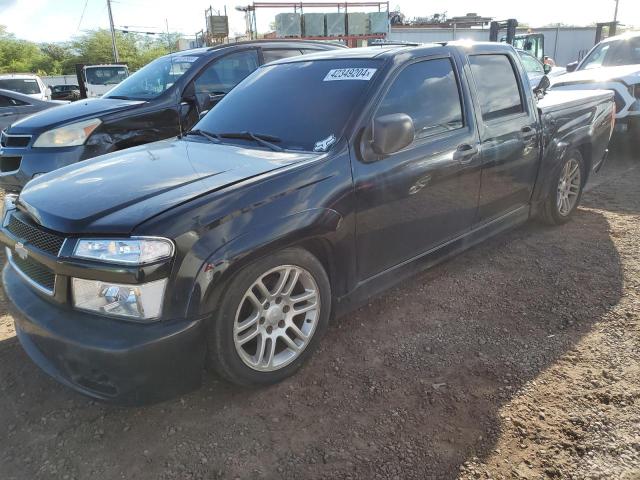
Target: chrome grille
column 31, row 234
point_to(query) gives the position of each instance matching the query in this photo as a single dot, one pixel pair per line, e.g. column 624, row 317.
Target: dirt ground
column 517, row 359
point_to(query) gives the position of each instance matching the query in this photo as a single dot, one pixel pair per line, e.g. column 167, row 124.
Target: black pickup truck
column 317, row 182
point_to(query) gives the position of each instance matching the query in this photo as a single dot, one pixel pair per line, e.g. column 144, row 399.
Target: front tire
column 566, row 190
column 270, row 318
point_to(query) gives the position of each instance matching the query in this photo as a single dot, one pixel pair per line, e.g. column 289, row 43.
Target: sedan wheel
column 276, row 318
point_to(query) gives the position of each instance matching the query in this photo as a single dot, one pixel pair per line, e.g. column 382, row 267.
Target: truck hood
column 114, row 193
column 630, row 74
column 70, row 113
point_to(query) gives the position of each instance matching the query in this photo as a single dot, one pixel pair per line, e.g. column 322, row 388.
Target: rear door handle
column 465, row 153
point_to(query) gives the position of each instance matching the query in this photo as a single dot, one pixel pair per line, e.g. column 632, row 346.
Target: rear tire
column 565, row 190
column 270, row 318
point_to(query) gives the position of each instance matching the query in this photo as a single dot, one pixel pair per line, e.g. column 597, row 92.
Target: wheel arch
column 319, row 231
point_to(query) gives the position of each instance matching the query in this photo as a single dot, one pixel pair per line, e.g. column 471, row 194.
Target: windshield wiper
column 212, row 137
column 262, row 139
column 119, row 97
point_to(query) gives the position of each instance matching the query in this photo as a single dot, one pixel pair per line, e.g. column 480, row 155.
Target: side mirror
column 571, row 67
column 391, row 133
column 189, row 93
column 546, row 68
column 543, row 86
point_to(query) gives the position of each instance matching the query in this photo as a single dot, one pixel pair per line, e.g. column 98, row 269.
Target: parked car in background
column 65, row 92
column 161, row 100
column 613, row 64
column 27, row 84
column 536, row 69
column 314, row 184
column 14, row 106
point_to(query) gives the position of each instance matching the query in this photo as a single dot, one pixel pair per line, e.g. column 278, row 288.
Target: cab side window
column 497, row 86
column 428, row 92
column 224, row 74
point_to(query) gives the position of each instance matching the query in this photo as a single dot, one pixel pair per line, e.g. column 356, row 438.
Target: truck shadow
column 409, row 386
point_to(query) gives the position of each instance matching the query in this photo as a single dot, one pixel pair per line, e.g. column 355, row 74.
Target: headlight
column 140, row 302
column 126, row 251
column 69, row 135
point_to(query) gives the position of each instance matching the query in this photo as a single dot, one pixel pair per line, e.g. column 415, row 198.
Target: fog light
column 137, row 302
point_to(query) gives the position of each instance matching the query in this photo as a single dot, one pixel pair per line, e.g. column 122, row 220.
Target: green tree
column 92, row 47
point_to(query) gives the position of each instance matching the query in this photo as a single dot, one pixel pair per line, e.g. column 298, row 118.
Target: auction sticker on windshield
column 349, row 74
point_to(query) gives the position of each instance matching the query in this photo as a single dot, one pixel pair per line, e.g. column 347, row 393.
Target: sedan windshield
column 26, row 86
column 300, row 106
column 614, row 53
column 153, row 79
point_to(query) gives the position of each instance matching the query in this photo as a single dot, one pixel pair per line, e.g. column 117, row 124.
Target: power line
column 82, row 16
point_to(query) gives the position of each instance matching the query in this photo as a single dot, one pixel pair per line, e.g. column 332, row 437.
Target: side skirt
column 366, row 289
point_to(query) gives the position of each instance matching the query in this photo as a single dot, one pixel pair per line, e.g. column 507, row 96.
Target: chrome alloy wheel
column 276, row 318
column 569, row 187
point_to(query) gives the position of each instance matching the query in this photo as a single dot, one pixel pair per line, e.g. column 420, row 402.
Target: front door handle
column 465, row 153
column 527, row 132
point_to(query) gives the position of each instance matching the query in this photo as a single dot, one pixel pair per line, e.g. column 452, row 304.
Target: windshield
column 615, row 53
column 154, row 78
column 105, row 75
column 314, row 101
column 27, row 86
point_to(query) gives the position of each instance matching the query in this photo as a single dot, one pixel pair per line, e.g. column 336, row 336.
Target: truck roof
column 390, row 50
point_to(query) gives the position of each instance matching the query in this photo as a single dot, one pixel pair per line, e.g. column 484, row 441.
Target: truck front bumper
column 115, row 361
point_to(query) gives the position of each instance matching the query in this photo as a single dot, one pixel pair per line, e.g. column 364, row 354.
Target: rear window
column 27, row 86
column 497, row 86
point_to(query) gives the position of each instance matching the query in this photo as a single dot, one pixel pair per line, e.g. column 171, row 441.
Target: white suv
column 613, row 64
column 27, row 84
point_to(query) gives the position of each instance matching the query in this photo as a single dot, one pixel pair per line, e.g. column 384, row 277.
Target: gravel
column 516, row 359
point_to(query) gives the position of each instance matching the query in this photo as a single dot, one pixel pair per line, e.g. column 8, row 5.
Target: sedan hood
column 114, row 193
column 628, row 73
column 70, row 113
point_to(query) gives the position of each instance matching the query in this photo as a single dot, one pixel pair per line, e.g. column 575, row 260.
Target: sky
column 60, row 20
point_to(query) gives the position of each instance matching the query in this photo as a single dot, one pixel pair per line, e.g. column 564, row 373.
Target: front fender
column 320, row 225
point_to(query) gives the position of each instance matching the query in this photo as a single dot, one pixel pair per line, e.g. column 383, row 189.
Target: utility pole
column 116, row 59
column 615, row 14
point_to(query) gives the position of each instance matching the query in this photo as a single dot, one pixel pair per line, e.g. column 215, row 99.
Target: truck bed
column 555, row 100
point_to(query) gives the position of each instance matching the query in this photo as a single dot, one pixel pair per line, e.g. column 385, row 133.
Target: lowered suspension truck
column 315, row 183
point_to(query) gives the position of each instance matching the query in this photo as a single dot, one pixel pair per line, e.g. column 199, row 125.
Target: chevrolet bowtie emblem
column 22, row 252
